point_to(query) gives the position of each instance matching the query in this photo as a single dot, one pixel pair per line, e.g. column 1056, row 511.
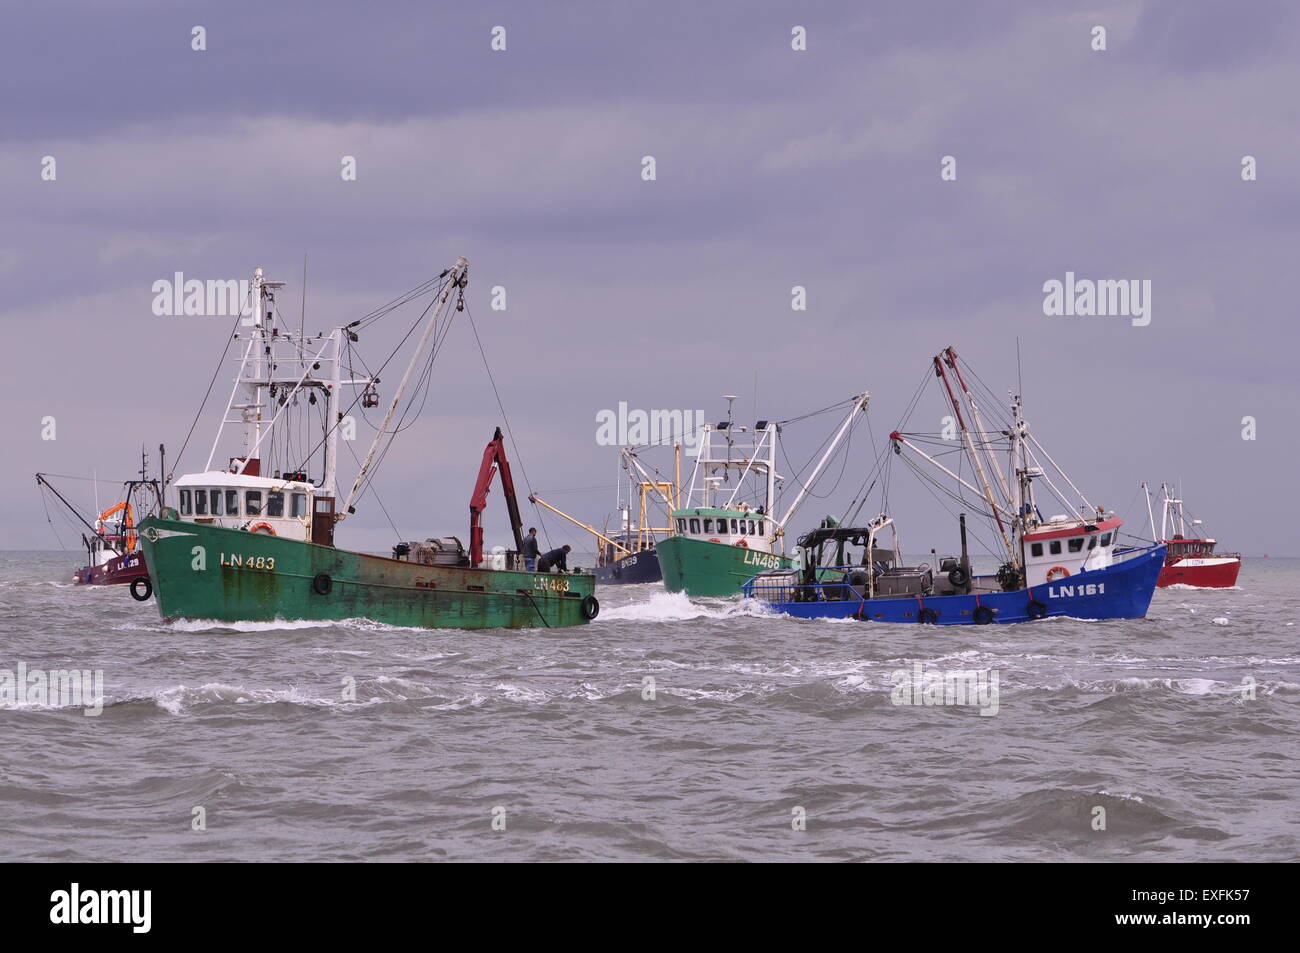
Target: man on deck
column 555, row 559
column 531, row 549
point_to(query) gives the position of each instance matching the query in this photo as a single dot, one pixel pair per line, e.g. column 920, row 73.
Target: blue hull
column 1121, row 591
column 636, row 568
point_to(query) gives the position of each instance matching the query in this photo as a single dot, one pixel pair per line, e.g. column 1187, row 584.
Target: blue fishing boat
column 1066, row 565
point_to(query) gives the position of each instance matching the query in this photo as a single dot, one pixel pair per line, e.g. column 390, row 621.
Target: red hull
column 1219, row 576
column 118, row 571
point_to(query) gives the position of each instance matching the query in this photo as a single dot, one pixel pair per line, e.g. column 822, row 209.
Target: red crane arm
column 494, row 459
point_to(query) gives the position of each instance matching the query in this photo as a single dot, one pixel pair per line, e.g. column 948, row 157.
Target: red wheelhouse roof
column 1113, row 523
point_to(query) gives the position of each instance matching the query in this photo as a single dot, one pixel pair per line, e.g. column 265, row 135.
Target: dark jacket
column 555, row 559
column 531, row 549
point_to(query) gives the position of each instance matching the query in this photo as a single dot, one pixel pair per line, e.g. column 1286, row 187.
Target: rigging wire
column 523, row 470
column 208, row 393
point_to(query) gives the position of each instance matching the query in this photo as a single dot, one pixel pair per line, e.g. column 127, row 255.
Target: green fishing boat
column 242, row 545
column 718, row 545
column 704, row 557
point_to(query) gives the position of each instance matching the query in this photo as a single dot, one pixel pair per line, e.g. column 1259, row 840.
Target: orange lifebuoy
column 262, row 528
column 1057, row 571
column 741, row 543
column 715, row 540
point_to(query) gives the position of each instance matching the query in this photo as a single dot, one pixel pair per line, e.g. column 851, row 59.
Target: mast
column 950, row 358
column 457, row 275
column 859, row 404
column 1024, row 474
column 677, row 480
column 1146, row 490
column 975, row 456
column 332, row 415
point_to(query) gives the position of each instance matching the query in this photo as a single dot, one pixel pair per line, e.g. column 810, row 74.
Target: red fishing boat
column 1189, row 560
column 113, row 553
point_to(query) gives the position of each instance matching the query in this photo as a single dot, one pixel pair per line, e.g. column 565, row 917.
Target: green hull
column 700, row 568
column 208, row 572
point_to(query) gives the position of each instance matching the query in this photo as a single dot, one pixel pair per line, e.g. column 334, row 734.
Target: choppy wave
column 672, row 728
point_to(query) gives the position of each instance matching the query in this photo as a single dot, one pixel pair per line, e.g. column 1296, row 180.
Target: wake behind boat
column 1066, row 565
column 253, row 541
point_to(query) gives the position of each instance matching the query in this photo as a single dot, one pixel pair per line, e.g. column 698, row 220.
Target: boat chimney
column 965, row 554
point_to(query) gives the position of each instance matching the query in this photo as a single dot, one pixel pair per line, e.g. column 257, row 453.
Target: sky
column 774, row 168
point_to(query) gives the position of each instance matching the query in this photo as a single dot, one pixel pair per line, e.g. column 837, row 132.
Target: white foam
column 676, row 607
column 178, row 700
column 274, row 625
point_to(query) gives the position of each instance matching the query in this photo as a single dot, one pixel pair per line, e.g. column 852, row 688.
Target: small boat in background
column 629, row 556
column 113, row 553
column 1189, row 561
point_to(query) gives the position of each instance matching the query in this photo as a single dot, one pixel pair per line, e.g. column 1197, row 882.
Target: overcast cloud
column 775, row 168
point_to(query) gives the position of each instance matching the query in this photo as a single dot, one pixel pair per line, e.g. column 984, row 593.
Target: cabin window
column 1105, row 539
column 1092, row 542
column 253, row 503
column 695, row 525
column 185, row 503
column 708, row 526
column 214, row 502
column 751, row 527
column 681, row 525
column 200, row 502
column 1036, row 549
column 299, row 504
column 1055, row 547
column 275, row 503
column 761, row 531
column 1076, row 544
column 232, row 502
